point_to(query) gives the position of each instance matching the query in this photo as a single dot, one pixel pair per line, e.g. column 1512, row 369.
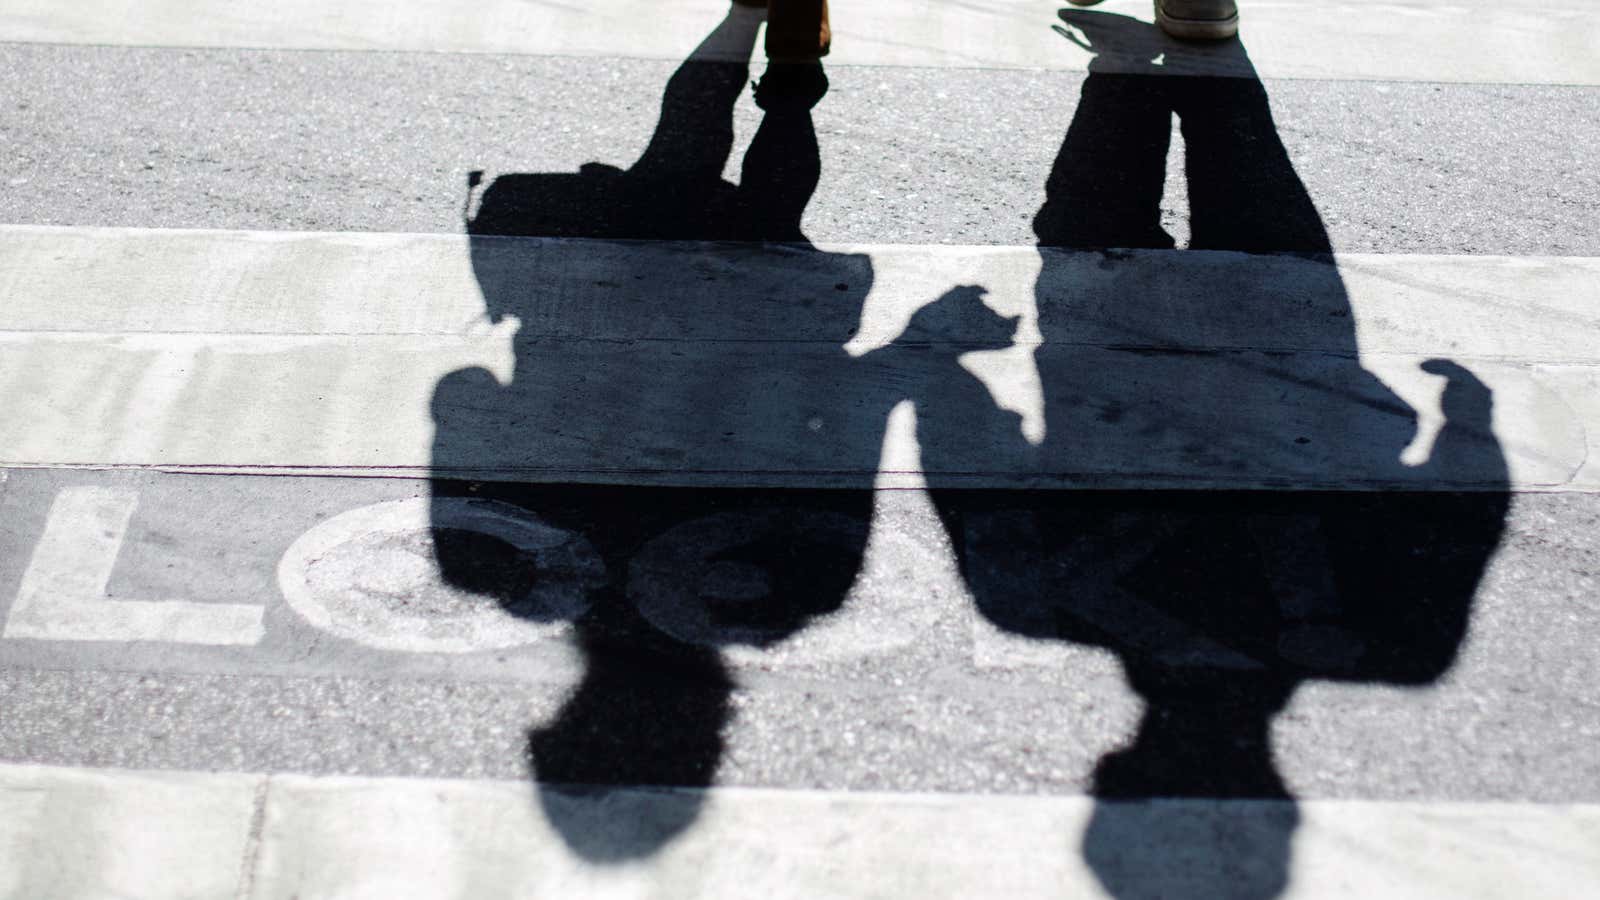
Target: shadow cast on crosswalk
column 1217, row 603
column 651, row 710
column 1219, row 598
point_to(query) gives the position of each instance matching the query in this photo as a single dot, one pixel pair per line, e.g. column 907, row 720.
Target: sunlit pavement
column 471, row 451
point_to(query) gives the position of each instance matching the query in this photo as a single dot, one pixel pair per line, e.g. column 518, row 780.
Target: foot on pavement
column 1201, row 20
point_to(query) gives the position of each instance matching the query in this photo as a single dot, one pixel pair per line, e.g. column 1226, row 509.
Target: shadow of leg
column 1105, row 187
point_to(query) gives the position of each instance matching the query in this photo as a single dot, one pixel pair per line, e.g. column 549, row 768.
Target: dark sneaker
column 791, row 86
column 1198, row 20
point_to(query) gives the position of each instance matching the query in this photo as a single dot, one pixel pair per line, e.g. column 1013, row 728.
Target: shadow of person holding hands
column 1352, row 567
column 623, row 376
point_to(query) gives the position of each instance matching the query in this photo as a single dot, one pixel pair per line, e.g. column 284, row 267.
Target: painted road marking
column 1430, row 41
column 194, row 834
column 705, row 581
column 372, row 575
column 350, row 580
column 357, row 559
column 63, row 592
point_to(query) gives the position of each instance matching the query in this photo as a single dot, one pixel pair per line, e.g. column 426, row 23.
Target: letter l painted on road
column 63, row 592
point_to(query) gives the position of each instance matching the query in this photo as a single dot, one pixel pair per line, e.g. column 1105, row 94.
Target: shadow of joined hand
column 1124, row 45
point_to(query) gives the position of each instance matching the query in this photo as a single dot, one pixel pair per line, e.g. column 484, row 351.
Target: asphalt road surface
column 481, row 455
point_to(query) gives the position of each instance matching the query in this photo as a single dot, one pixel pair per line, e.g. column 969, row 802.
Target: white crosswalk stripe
column 321, row 352
column 673, row 364
column 1552, row 43
column 195, row 834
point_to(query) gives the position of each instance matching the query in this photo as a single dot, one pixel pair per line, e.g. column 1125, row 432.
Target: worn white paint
column 1484, row 41
column 71, row 833
column 62, row 596
column 371, row 575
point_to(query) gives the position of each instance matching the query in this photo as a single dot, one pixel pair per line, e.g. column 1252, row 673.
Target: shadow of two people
column 1218, row 604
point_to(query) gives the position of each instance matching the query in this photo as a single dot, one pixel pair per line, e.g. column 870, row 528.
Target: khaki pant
column 797, row 30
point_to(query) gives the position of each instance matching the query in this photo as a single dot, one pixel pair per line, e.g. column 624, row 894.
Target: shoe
column 791, row 87
column 1198, row 20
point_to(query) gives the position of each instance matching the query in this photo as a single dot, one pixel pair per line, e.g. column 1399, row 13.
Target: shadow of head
column 619, row 825
column 1165, row 848
column 623, row 766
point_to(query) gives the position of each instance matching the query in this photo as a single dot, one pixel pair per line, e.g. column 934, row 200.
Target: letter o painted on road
column 775, row 586
column 370, row 575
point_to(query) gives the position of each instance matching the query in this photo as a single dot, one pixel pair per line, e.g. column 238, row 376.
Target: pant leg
column 1105, row 187
column 797, row 30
